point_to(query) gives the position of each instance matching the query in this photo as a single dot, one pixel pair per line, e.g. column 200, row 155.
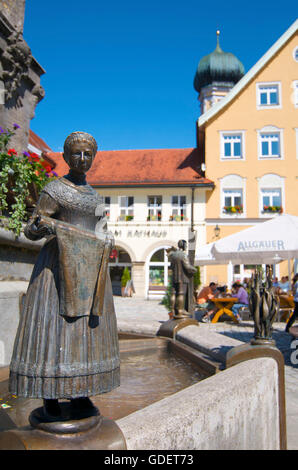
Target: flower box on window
column 125, row 218
column 178, row 218
column 272, row 209
column 154, row 218
column 233, row 209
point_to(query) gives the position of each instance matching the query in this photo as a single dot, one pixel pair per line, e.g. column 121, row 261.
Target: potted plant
column 272, row 209
column 21, row 179
column 125, row 218
column 233, row 209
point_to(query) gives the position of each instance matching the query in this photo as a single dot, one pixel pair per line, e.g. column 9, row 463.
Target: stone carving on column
column 16, row 60
column 20, row 88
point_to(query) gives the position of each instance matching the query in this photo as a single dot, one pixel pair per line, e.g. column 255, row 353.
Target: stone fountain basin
column 152, row 368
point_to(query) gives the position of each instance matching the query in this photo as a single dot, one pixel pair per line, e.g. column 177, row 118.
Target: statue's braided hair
column 79, row 137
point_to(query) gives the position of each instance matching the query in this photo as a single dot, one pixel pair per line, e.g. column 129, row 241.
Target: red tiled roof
column 141, row 167
column 37, row 142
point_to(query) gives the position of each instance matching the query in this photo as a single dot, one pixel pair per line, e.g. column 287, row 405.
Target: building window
column 154, row 208
column 233, row 201
column 126, row 207
column 232, row 145
column 271, row 201
column 295, row 93
column 295, row 54
column 269, row 145
column 178, row 209
column 268, row 95
column 107, row 206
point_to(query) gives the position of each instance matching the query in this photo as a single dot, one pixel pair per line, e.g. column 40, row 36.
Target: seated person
column 284, row 285
column 242, row 297
column 205, row 300
column 222, row 291
column 275, row 282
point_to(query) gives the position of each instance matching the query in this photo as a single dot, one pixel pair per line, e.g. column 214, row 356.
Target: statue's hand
column 41, row 228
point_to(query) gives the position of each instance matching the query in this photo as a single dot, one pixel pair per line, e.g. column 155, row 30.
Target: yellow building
column 243, row 171
column 250, row 142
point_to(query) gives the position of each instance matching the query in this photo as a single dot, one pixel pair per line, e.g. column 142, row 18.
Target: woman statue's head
column 79, row 151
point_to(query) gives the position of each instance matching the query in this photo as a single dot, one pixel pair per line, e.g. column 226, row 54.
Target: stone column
column 138, row 276
column 19, row 74
column 14, row 11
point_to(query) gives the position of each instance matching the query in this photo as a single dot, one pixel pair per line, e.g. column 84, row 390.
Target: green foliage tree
column 197, row 279
column 166, row 300
column 125, row 277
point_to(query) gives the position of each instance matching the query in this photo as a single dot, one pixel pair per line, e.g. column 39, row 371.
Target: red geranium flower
column 12, row 152
column 34, row 157
column 46, row 166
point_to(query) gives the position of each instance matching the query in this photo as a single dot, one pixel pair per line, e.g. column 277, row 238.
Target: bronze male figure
column 182, row 271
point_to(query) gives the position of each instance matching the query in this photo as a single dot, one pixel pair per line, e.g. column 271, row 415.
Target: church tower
column 216, row 75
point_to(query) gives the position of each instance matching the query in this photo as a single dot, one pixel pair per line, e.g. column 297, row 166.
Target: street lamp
column 216, row 231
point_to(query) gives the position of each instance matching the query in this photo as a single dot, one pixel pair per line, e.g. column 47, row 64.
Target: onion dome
column 219, row 66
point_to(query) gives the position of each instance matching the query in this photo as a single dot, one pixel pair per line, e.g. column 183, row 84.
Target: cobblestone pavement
column 134, row 308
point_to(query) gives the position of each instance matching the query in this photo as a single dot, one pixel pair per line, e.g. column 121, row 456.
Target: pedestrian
column 295, row 293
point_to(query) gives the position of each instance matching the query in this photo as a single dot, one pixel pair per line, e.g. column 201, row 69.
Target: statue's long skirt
column 62, row 357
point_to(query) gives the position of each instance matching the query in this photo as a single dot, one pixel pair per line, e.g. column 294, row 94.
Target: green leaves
column 21, row 179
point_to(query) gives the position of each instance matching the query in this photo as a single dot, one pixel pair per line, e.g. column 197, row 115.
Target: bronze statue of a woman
column 67, row 344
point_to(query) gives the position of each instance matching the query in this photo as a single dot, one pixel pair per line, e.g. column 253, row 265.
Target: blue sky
column 123, row 70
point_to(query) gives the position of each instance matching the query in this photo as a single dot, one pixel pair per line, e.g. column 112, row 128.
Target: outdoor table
column 286, row 303
column 224, row 305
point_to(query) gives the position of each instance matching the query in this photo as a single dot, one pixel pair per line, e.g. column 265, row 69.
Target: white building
column 153, row 198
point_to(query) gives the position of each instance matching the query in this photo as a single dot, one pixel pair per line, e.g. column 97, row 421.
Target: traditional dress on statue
column 67, row 342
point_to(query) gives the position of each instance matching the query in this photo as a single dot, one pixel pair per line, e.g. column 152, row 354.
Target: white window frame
column 179, row 209
column 124, row 208
column 270, row 132
column 271, row 193
column 232, row 193
column 294, row 96
column 233, row 183
column 295, row 53
column 260, row 87
column 154, row 209
column 107, row 208
column 233, row 135
column 271, row 182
